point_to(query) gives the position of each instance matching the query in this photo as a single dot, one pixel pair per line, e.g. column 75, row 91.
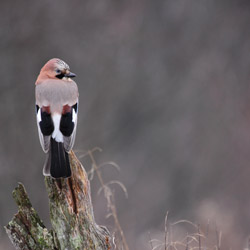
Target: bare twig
column 170, row 237
column 184, row 221
column 199, row 236
column 218, row 237
column 166, row 231
column 150, row 241
column 187, row 243
column 108, row 194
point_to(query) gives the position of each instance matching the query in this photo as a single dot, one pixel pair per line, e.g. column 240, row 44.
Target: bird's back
column 56, row 93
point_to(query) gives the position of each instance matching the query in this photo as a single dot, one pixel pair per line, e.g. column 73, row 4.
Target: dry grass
column 119, row 239
column 197, row 236
column 194, row 239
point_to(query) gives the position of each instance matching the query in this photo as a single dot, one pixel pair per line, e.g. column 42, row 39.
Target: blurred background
column 164, row 91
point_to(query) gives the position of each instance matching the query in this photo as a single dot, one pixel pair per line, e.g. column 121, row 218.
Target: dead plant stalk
column 110, row 200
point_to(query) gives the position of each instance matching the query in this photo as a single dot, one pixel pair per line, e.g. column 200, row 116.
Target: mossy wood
column 71, row 214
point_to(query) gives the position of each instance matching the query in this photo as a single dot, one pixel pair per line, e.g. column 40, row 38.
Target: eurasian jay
column 56, row 108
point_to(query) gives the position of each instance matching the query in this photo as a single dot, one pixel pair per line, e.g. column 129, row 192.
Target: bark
column 71, row 214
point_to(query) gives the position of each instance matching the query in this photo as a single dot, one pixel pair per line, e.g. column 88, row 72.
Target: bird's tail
column 57, row 162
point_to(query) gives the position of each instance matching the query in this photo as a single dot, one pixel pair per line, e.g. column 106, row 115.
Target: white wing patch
column 69, row 141
column 57, row 135
column 38, row 116
column 44, row 140
column 74, row 116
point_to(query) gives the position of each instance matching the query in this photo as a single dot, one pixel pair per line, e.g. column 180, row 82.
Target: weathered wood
column 26, row 230
column 71, row 214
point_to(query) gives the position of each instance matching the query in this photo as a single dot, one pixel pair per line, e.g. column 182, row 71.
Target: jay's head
column 56, row 69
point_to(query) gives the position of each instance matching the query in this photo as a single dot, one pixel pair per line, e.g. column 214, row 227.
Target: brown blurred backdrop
column 164, row 90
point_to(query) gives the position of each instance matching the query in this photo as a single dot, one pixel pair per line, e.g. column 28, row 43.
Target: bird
column 56, row 95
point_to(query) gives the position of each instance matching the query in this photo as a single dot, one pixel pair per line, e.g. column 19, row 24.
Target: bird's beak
column 70, row 75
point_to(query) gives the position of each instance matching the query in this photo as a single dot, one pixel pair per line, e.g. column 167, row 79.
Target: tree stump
column 71, row 214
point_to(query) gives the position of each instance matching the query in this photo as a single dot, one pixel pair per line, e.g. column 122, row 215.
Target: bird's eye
column 58, row 71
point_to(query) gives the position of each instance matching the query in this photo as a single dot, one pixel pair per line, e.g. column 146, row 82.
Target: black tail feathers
column 57, row 164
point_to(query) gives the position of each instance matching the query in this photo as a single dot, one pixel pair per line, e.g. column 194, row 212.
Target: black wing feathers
column 67, row 124
column 57, row 164
column 46, row 123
